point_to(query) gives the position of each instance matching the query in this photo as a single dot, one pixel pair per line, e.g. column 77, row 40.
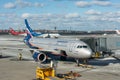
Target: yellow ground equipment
column 44, row 73
column 97, row 55
column 49, row 74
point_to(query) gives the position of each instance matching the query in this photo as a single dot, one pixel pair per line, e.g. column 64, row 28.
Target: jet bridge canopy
column 103, row 43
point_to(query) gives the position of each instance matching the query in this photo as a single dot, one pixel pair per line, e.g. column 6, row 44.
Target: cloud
column 117, row 5
column 8, row 15
column 66, row 0
column 101, row 0
column 22, row 4
column 25, row 15
column 10, row 5
column 73, row 21
column 105, row 18
column 38, row 4
column 83, row 4
column 102, row 3
column 72, row 15
column 93, row 12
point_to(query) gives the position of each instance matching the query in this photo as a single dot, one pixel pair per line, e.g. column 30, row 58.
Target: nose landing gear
column 84, row 65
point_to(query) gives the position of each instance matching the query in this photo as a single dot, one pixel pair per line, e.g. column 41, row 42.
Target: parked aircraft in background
column 117, row 31
column 16, row 33
column 50, row 35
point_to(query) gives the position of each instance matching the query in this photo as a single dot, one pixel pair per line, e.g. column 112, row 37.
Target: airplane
column 15, row 33
column 118, row 32
column 44, row 35
column 52, row 47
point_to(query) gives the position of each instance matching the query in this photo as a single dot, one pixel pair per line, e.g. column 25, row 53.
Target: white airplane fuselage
column 118, row 32
column 24, row 34
column 73, row 48
column 51, row 35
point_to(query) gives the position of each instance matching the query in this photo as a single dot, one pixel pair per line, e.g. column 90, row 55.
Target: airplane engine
column 39, row 56
column 116, row 54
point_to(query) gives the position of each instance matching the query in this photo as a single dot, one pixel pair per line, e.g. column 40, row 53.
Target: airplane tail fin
column 11, row 30
column 30, row 30
column 29, row 34
column 28, row 27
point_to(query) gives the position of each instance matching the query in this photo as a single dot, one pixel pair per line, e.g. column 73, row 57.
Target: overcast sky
column 83, row 15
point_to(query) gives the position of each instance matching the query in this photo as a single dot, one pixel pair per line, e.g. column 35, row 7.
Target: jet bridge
column 103, row 43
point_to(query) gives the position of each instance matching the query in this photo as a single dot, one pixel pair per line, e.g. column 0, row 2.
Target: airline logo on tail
column 30, row 30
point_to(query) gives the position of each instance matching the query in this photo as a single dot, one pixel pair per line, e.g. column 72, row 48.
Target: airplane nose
column 88, row 53
column 84, row 53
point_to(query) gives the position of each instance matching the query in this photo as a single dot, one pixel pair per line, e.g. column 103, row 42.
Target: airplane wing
column 36, row 54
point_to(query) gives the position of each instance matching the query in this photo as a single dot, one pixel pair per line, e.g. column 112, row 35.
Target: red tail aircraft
column 15, row 33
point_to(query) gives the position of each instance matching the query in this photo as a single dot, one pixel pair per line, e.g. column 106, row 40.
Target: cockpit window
column 79, row 46
column 84, row 46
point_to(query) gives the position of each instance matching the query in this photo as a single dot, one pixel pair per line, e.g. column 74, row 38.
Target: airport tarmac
column 13, row 69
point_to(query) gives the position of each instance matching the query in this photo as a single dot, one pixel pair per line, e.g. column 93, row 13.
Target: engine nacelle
column 116, row 53
column 39, row 56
